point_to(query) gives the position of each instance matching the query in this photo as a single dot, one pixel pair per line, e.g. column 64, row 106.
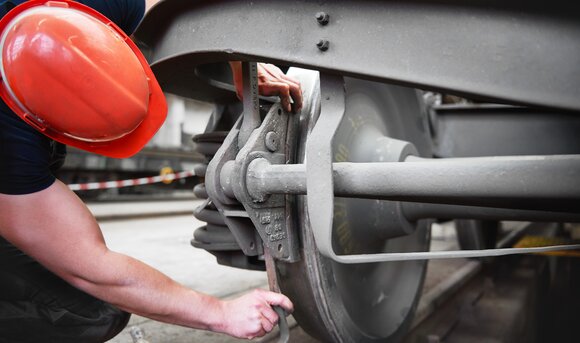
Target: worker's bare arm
column 56, row 228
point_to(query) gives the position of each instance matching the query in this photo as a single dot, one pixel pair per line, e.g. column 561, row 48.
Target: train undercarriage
column 342, row 195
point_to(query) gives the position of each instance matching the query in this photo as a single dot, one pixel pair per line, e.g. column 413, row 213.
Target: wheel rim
column 365, row 302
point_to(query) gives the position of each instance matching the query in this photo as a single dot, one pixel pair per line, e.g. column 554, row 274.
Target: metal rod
column 266, row 178
column 416, row 211
column 468, row 181
column 275, row 287
column 549, row 183
column 251, row 113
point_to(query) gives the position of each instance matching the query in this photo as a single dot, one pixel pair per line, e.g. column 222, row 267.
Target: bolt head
column 323, row 44
column 323, row 18
column 271, row 141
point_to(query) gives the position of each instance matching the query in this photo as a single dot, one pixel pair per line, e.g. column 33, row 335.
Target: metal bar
column 251, row 113
column 291, row 179
column 549, row 183
column 485, row 181
column 497, row 130
column 320, row 182
column 275, row 287
column 265, row 178
column 389, row 41
column 417, row 211
column 438, row 255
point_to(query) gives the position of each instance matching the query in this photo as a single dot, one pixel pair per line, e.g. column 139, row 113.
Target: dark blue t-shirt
column 27, row 157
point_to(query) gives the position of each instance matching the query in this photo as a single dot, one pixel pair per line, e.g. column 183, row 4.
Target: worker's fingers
column 252, row 315
column 270, row 315
column 279, row 74
column 273, row 73
column 277, row 299
column 291, row 79
column 258, row 333
column 296, row 92
column 267, row 325
column 272, row 81
column 285, row 78
column 278, row 88
column 294, row 84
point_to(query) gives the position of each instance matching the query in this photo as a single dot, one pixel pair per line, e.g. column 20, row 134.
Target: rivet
column 323, row 44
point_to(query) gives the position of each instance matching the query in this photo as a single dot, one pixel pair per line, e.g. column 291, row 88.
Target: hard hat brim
column 123, row 147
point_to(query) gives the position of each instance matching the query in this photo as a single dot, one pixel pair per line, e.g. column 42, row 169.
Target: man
column 58, row 280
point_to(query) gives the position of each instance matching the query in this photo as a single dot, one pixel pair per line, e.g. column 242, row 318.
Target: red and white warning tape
column 132, row 182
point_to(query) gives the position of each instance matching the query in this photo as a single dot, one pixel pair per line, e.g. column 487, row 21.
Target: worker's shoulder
column 7, row 5
column 25, row 156
column 124, row 13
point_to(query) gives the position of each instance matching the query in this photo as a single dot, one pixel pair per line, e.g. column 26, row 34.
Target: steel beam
column 418, row 211
column 291, row 179
column 470, row 130
column 251, row 113
column 509, row 51
column 549, row 183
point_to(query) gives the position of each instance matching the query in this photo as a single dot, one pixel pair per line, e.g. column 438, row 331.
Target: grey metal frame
column 252, row 140
column 508, row 51
column 470, row 130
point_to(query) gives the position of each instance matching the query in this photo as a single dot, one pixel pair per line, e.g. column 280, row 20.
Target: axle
column 534, row 188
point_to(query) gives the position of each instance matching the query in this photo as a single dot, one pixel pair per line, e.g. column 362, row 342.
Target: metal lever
column 274, row 287
column 282, row 325
column 251, row 115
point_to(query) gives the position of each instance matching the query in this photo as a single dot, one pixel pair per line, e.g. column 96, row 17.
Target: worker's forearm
column 137, row 288
column 66, row 239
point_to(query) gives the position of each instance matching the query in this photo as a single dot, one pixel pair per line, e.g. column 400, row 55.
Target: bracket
column 249, row 142
column 230, row 209
column 271, row 214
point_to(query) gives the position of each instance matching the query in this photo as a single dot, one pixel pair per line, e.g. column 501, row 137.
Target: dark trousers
column 38, row 306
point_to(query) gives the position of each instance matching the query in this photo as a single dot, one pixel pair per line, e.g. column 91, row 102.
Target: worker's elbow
column 96, row 276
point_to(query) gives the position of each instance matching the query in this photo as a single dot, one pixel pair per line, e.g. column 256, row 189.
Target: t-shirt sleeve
column 25, row 156
column 127, row 14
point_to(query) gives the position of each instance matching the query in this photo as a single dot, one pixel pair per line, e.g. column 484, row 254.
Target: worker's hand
column 251, row 315
column 272, row 81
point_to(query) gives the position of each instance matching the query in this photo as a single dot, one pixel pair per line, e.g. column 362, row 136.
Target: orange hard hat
column 72, row 74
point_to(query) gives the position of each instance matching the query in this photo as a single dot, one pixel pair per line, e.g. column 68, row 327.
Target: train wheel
column 365, row 302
